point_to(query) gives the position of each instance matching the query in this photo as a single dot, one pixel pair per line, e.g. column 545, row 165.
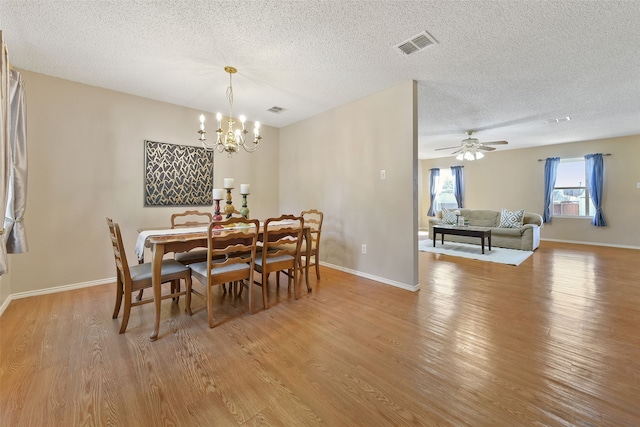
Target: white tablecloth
column 145, row 234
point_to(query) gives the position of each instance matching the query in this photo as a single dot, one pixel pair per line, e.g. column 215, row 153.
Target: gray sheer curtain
column 595, row 184
column 15, row 234
column 550, row 174
column 4, row 144
column 433, row 187
column 458, row 185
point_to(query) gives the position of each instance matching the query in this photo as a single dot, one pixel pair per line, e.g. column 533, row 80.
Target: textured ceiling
column 499, row 67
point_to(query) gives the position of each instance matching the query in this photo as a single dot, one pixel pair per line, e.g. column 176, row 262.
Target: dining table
column 162, row 241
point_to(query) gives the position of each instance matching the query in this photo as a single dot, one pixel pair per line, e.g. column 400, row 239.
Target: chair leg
column 264, row 291
column 210, row 305
column 127, row 311
column 175, row 287
column 294, row 273
column 250, row 291
column 187, row 284
column 236, row 285
column 315, row 258
column 119, row 294
column 139, row 297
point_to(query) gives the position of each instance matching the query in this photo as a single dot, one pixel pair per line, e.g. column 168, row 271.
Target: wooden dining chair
column 282, row 237
column 313, row 226
column 313, row 219
column 191, row 219
column 231, row 254
column 134, row 278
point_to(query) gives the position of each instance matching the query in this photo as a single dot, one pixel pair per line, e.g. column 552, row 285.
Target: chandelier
column 469, row 152
column 231, row 140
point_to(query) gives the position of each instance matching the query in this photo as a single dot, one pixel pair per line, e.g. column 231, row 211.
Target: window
column 444, row 193
column 570, row 195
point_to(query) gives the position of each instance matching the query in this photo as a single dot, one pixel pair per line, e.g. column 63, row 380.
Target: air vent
column 276, row 110
column 416, row 43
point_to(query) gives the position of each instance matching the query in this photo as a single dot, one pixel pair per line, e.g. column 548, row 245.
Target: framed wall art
column 177, row 175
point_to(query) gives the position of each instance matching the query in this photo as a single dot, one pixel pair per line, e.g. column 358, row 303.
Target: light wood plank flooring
column 553, row 342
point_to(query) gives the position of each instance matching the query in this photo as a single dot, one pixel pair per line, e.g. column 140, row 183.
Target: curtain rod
column 444, row 167
column 542, row 160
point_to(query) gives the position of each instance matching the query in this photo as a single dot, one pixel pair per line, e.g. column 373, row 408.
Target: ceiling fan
column 471, row 148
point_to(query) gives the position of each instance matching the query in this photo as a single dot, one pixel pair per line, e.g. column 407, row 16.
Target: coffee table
column 481, row 233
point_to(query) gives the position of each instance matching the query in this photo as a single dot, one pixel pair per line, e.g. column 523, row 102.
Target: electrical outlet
column 637, row 184
column 383, row 174
column 364, row 249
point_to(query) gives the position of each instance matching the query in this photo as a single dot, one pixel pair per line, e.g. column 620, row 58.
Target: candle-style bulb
column 202, row 119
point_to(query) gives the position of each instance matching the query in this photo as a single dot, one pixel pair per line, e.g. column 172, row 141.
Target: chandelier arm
column 231, row 140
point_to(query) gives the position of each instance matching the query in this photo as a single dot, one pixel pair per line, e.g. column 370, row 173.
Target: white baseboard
column 577, row 242
column 404, row 286
column 53, row 290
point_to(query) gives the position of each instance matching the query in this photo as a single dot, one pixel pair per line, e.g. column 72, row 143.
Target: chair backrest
column 313, row 219
column 282, row 236
column 230, row 242
column 191, row 219
column 118, row 251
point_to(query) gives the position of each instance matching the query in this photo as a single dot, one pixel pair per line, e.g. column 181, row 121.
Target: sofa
column 524, row 236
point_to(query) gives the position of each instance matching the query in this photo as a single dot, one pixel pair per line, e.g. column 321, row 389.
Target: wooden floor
column 553, row 342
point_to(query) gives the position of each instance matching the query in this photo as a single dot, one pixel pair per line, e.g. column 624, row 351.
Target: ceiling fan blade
column 447, row 148
column 456, row 152
column 496, row 143
column 486, row 148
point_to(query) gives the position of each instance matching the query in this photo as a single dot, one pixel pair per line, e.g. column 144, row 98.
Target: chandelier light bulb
column 479, row 155
column 460, row 156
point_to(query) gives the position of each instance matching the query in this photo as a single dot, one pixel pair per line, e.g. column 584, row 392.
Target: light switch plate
column 383, row 174
column 637, row 184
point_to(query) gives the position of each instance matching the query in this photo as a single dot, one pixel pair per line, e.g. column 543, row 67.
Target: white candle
column 228, row 183
column 218, row 194
column 244, row 189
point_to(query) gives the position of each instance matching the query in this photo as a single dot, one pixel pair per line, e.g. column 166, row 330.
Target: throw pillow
column 511, row 219
column 449, row 217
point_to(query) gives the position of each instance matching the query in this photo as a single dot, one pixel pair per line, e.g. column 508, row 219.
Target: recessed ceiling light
column 558, row 119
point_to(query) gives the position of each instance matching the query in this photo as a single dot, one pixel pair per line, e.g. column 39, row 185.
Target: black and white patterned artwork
column 177, row 175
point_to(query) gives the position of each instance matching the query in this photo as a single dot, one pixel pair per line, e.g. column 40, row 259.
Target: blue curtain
column 550, row 174
column 594, row 168
column 433, row 186
column 458, row 185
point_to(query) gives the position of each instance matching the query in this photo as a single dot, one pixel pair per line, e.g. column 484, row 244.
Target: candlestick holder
column 229, row 209
column 217, row 217
column 244, row 210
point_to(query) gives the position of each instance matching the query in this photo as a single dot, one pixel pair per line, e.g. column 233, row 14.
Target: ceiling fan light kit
column 471, row 148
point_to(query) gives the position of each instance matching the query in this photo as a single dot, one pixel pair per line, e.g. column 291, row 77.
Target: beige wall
column 332, row 162
column 86, row 160
column 514, row 179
